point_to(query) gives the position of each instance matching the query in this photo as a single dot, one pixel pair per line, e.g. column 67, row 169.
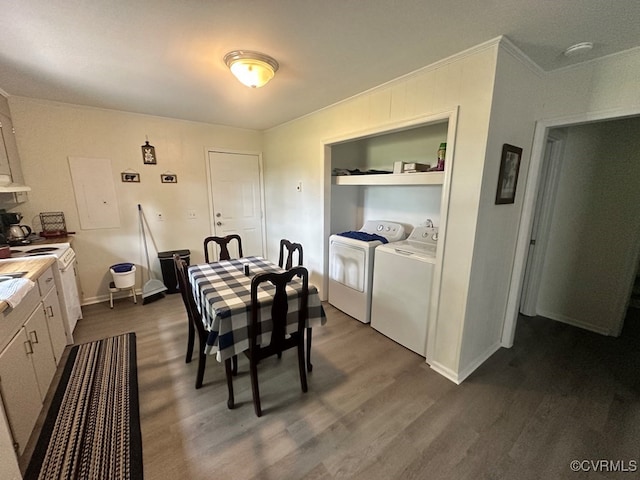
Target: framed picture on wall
column 508, row 176
column 169, row 178
column 148, row 154
column 130, row 177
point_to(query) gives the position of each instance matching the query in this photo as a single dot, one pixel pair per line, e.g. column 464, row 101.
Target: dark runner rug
column 92, row 429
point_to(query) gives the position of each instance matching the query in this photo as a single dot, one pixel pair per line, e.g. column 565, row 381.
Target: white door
column 236, row 200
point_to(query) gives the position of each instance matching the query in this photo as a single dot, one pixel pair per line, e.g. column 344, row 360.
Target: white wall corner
column 508, row 46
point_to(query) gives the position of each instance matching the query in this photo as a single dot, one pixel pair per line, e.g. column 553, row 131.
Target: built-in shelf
column 418, row 178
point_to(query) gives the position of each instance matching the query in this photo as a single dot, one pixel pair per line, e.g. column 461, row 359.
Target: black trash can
column 169, row 275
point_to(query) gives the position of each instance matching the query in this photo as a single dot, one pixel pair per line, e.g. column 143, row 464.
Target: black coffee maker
column 12, row 232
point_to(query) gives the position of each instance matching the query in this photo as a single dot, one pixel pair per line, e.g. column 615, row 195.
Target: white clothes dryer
column 402, row 281
column 351, row 256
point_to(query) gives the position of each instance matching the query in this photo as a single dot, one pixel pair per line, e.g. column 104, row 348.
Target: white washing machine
column 402, row 281
column 351, row 266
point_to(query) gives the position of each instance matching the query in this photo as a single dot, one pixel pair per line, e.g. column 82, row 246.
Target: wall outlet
column 191, row 215
column 299, row 187
column 159, row 217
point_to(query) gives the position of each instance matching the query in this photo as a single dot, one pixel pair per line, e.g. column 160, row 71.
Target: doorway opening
column 579, row 241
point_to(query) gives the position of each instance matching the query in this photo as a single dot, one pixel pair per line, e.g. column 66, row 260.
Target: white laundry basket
column 124, row 275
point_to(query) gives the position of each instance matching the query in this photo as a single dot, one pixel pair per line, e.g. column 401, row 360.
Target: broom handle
column 144, row 240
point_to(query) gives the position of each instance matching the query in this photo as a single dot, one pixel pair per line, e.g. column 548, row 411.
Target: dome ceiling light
column 252, row 68
column 578, row 49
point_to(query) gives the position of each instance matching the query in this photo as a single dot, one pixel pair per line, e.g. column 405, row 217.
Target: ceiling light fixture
column 578, row 49
column 251, row 68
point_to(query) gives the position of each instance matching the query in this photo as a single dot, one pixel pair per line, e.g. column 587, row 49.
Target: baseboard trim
column 479, row 360
column 575, row 322
column 445, row 372
column 460, row 376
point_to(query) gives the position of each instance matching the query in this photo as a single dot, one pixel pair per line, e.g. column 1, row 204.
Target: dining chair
column 280, row 340
column 195, row 323
column 223, row 243
column 289, row 249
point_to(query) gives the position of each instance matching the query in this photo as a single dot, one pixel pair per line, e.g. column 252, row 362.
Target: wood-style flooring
column 375, row 410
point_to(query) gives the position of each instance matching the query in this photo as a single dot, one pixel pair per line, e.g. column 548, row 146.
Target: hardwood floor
column 375, row 410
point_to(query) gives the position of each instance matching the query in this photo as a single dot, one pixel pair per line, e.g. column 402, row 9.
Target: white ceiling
column 164, row 57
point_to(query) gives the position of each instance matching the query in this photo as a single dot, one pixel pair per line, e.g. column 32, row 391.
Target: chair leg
column 190, row 341
column 227, row 370
column 202, row 362
column 309, row 366
column 301, row 365
column 234, row 368
column 254, row 387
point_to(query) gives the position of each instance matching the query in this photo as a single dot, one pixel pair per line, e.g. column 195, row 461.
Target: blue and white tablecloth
column 223, row 294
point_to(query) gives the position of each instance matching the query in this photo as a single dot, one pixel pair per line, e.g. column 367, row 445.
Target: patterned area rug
column 92, row 429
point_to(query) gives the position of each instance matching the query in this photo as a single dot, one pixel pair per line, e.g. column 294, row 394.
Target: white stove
column 64, row 275
column 62, row 251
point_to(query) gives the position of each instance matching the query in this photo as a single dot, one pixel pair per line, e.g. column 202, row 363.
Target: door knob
column 218, row 214
column 218, row 223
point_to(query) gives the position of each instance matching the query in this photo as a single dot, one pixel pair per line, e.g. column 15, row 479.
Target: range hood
column 6, row 186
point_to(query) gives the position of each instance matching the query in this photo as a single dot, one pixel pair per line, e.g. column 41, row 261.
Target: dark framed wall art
column 148, row 154
column 508, row 176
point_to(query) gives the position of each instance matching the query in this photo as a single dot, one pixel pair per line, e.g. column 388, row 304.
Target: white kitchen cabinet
column 30, row 333
column 10, row 160
column 5, row 169
column 53, row 313
column 19, row 388
column 44, row 363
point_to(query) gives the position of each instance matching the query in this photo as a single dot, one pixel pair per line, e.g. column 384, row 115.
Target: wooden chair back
column 193, row 317
column 279, row 339
column 289, row 249
column 223, row 243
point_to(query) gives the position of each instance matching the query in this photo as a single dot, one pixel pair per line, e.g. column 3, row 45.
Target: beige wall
column 515, row 101
column 594, row 88
column 48, row 133
column 296, row 151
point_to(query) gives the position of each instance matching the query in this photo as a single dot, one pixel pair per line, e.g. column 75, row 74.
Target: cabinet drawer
column 12, row 319
column 46, row 282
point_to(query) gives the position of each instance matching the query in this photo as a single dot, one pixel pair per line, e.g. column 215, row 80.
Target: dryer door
column 347, row 265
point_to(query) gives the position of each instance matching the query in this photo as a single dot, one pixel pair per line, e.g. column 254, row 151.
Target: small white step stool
column 123, row 280
column 113, row 289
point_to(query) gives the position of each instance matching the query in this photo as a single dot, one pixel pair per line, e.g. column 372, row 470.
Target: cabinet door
column 19, row 388
column 44, row 363
column 4, row 159
column 55, row 323
column 9, row 159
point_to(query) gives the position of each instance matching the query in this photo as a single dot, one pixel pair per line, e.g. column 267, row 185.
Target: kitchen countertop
column 36, row 241
column 34, row 266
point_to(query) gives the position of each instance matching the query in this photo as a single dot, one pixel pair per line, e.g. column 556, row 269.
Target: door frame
column 541, row 222
column 263, row 212
column 541, row 133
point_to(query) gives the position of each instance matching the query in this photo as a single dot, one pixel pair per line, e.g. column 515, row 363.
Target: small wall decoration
column 130, row 177
column 508, row 176
column 148, row 154
column 169, row 178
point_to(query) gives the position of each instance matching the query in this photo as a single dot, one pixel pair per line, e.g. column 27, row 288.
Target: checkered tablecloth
column 223, row 294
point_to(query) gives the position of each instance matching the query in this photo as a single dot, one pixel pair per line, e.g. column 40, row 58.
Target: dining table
column 222, row 291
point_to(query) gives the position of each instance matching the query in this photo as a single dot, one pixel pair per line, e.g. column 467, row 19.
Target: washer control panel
column 392, row 231
column 426, row 235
